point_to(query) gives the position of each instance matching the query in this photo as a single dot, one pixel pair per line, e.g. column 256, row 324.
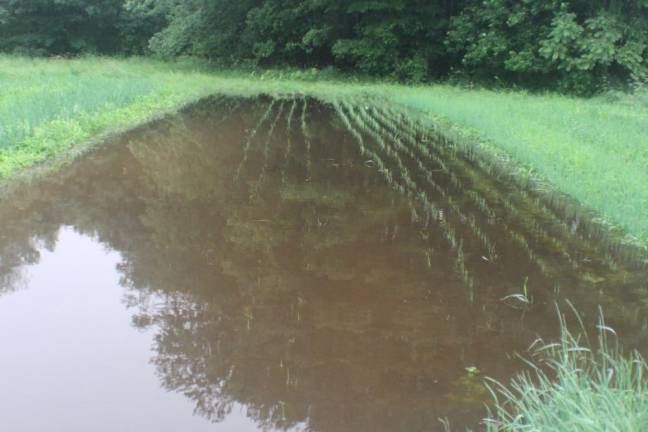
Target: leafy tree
column 587, row 53
column 59, row 26
column 400, row 38
column 138, row 23
column 577, row 44
column 205, row 28
column 572, row 45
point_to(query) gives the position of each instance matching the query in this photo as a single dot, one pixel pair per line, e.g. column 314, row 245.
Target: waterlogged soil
column 285, row 265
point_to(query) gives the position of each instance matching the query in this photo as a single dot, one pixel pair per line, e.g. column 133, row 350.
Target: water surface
column 283, row 265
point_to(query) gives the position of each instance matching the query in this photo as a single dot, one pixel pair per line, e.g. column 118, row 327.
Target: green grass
column 572, row 387
column 594, row 150
column 48, row 106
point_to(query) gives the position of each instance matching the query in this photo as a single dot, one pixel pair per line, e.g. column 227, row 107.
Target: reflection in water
column 328, row 268
column 68, row 351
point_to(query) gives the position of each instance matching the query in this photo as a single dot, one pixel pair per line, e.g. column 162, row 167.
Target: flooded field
column 285, row 265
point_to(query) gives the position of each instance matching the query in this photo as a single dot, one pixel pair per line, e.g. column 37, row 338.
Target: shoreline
column 563, row 146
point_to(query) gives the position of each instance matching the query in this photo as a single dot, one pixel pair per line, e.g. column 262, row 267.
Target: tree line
column 570, row 45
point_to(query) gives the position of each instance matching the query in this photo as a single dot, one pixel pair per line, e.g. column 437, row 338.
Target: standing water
column 283, row 265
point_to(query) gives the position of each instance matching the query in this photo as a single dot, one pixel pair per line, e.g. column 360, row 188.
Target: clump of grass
column 575, row 387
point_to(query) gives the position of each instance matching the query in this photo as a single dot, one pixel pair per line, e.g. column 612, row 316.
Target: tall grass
column 36, row 91
column 575, row 387
column 49, row 105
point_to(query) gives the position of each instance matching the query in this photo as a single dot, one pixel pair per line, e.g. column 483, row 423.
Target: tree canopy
column 571, row 45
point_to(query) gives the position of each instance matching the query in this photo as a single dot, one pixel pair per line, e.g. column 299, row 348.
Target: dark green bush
column 580, row 46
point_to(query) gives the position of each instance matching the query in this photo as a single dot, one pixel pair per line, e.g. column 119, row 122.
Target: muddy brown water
column 283, row 265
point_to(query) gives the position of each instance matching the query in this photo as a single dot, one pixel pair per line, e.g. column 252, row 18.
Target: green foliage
column 573, row 46
column 138, row 23
column 392, row 38
column 49, row 106
column 585, row 54
column 59, row 27
column 191, row 27
column 577, row 45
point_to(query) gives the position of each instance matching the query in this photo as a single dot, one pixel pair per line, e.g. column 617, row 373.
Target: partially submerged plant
column 250, row 137
column 289, row 134
column 520, row 300
column 572, row 386
column 266, row 148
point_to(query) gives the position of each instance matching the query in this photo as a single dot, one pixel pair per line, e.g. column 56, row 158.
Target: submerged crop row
column 594, row 150
column 466, row 214
column 484, row 222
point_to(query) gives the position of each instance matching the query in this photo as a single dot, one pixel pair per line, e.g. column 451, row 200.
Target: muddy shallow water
column 283, row 265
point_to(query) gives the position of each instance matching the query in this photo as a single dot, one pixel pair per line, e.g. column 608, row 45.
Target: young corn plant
column 289, row 143
column 266, row 148
column 307, row 140
column 250, row 138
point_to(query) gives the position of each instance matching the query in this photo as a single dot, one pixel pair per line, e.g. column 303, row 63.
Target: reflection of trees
column 305, row 296
column 291, row 297
column 19, row 246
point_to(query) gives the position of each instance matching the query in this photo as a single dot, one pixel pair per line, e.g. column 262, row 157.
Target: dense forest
column 569, row 45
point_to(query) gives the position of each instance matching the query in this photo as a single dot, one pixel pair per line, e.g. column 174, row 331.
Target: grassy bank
column 48, row 106
column 594, row 150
